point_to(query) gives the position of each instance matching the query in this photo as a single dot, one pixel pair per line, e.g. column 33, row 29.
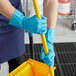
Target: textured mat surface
column 65, row 60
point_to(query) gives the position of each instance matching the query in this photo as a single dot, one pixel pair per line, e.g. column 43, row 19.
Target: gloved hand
column 49, row 59
column 33, row 24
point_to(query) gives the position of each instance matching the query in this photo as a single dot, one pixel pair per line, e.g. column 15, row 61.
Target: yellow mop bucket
column 32, row 67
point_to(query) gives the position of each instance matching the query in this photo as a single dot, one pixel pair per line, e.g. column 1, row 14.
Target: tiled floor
column 63, row 34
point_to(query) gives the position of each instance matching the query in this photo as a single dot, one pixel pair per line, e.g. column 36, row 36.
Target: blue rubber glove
column 33, row 24
column 49, row 59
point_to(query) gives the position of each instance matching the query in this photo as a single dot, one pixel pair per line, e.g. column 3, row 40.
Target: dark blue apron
column 11, row 38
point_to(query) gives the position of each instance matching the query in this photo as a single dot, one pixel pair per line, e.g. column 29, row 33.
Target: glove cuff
column 17, row 18
column 50, row 35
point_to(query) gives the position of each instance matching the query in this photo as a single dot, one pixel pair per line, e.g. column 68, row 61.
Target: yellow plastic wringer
column 32, row 67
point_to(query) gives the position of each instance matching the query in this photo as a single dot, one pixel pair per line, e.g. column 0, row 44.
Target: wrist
column 17, row 19
column 50, row 35
column 50, row 29
column 50, row 32
column 11, row 12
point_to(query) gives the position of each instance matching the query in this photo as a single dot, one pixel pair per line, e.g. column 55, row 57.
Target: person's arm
column 33, row 24
column 6, row 8
column 50, row 11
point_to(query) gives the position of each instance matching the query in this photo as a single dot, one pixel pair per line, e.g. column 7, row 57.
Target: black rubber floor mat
column 65, row 60
column 65, row 47
column 69, row 69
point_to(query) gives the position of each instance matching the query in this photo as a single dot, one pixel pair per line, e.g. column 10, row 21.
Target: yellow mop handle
column 35, row 3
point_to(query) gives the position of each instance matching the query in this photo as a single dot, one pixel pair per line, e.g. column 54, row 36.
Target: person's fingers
column 49, row 63
column 42, row 21
column 50, row 56
column 49, row 59
column 43, row 32
column 43, row 25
